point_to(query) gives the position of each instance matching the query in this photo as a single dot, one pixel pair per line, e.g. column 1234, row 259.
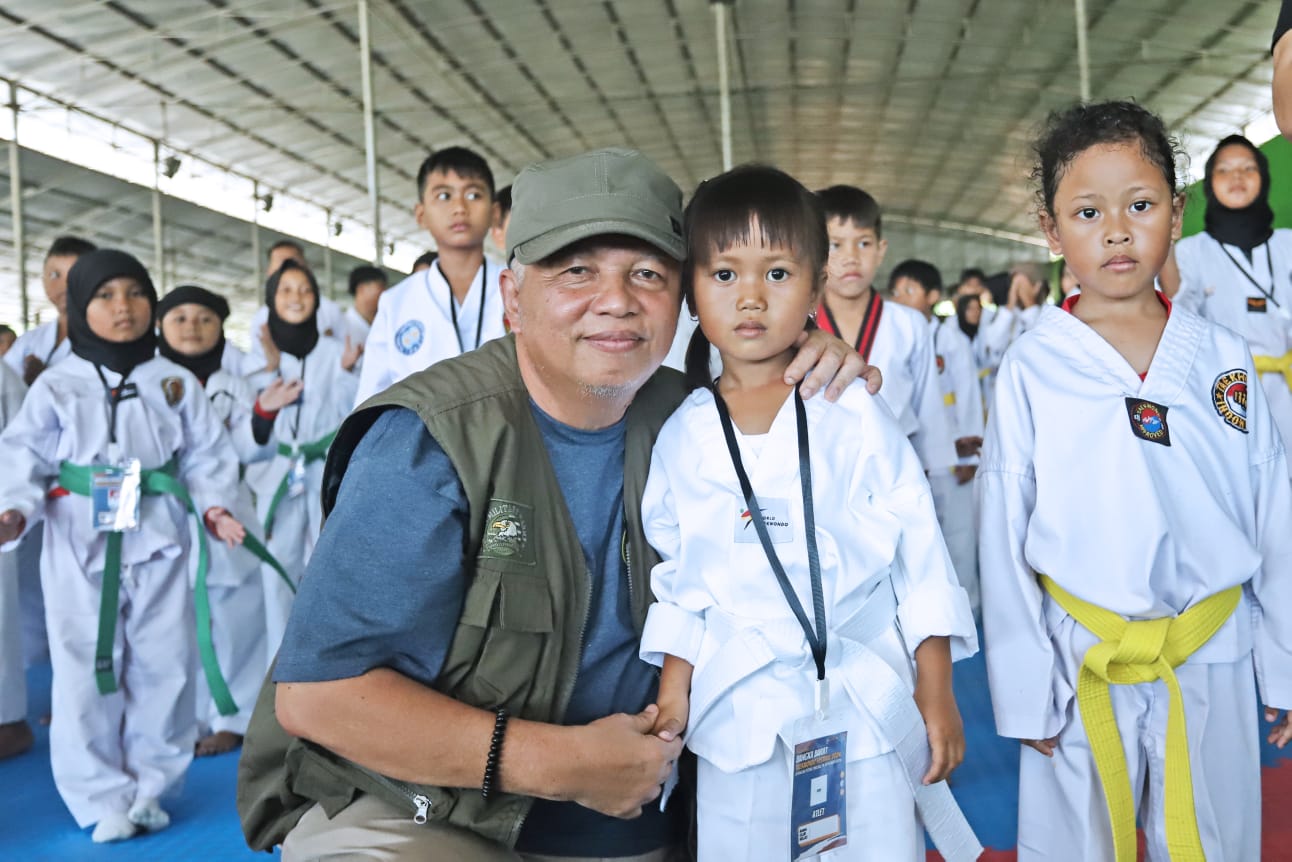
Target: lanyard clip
column 821, row 698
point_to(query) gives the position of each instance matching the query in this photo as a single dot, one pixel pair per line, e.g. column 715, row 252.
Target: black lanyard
column 1269, row 259
column 453, row 306
column 123, row 391
column 816, row 638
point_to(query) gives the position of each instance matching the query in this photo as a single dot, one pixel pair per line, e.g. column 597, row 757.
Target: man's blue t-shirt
column 386, row 582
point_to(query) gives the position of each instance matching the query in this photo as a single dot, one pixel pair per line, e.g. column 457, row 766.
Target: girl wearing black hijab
column 191, row 334
column 288, row 488
column 111, row 417
column 1238, row 272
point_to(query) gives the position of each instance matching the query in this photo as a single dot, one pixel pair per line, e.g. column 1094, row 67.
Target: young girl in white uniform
column 191, row 335
column 744, row 647
column 1238, row 272
column 288, row 486
column 1135, row 510
column 103, row 424
column 15, row 733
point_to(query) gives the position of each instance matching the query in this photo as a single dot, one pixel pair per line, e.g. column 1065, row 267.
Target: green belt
column 76, row 479
column 252, row 544
column 315, row 451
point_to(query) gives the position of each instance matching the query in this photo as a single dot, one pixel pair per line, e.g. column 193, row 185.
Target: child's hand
column 968, row 446
column 351, row 354
column 671, row 721
column 278, row 394
column 1281, row 733
column 964, row 473
column 1045, row 746
column 946, row 732
column 225, row 527
column 12, row 523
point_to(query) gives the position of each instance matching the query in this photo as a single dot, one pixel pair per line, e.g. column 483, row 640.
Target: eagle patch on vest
column 173, row 389
column 506, row 532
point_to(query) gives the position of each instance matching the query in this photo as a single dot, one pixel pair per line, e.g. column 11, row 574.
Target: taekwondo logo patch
column 1229, row 397
column 1148, row 421
column 1256, row 304
column 408, row 338
column 776, row 515
column 506, row 532
column 173, row 389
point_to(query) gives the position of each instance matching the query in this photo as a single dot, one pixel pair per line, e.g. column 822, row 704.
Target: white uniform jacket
column 331, row 321
column 234, row 360
column 719, row 602
column 356, row 328
column 903, row 351
column 1218, row 282
column 41, row 342
column 65, row 418
column 958, row 379
column 12, row 391
column 413, row 328
column 1077, row 481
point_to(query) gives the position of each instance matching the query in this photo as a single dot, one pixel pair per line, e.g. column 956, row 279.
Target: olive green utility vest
column 518, row 640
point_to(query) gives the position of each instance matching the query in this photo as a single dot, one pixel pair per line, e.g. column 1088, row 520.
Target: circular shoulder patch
column 1229, row 397
column 408, row 338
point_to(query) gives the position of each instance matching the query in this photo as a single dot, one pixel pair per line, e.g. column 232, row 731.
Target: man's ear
column 510, row 288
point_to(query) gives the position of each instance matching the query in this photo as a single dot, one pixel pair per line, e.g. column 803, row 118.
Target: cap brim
column 548, row 244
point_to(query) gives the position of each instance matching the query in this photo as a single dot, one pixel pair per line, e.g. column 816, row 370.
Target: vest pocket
column 515, row 611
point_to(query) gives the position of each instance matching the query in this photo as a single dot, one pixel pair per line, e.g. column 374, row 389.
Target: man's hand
column 822, row 358
column 272, row 354
column 31, row 368
column 12, row 523
column 617, row 764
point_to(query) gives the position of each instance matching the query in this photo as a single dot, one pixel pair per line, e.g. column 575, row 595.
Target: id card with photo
column 819, row 804
column 296, row 477
column 115, row 495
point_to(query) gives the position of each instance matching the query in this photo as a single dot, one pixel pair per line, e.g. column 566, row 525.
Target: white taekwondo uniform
column 1000, row 327
column 41, row 342
column 13, row 679
column 887, row 581
column 962, row 409
column 325, row 400
column 902, row 350
column 1253, row 298
column 331, row 323
column 108, row 750
column 414, row 325
column 234, row 580
column 1077, row 482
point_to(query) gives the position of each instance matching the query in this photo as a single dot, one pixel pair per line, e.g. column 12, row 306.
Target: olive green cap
column 611, row 191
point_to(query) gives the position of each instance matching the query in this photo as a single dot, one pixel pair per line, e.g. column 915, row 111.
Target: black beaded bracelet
column 495, row 752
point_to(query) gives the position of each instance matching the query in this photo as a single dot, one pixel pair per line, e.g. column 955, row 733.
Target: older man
column 462, row 657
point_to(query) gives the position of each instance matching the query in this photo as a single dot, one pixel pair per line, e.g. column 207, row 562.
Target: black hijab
column 298, row 339
column 205, row 364
column 969, row 329
column 1250, row 226
column 87, row 275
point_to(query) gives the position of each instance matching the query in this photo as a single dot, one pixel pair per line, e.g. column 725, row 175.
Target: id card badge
column 115, row 497
column 296, row 476
column 818, row 802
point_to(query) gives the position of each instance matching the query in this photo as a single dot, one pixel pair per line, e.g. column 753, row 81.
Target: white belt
column 750, row 645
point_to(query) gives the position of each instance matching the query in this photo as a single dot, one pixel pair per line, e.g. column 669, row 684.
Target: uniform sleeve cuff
column 938, row 610
column 670, row 630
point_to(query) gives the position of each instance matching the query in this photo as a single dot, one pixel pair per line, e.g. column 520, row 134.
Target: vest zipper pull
column 423, row 806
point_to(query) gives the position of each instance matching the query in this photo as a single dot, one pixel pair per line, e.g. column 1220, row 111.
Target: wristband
column 495, row 753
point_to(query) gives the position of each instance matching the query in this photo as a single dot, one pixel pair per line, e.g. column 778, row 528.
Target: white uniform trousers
column 292, row 543
column 1061, row 811
column 957, row 509
column 108, row 750
column 31, row 597
column 746, row 815
column 13, row 679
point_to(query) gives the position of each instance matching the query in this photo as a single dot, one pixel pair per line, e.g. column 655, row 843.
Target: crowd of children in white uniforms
column 911, row 538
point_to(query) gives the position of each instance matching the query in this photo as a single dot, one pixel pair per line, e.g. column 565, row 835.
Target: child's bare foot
column 217, row 743
column 15, row 738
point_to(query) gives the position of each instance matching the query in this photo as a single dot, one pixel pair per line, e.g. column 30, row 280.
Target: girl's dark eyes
column 724, row 276
column 777, row 274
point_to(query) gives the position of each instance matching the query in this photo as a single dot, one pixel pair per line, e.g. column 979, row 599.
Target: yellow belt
column 1276, row 365
column 1129, row 653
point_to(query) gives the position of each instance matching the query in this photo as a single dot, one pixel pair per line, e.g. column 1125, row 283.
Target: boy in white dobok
column 1136, row 556
column 917, row 284
column 117, row 449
